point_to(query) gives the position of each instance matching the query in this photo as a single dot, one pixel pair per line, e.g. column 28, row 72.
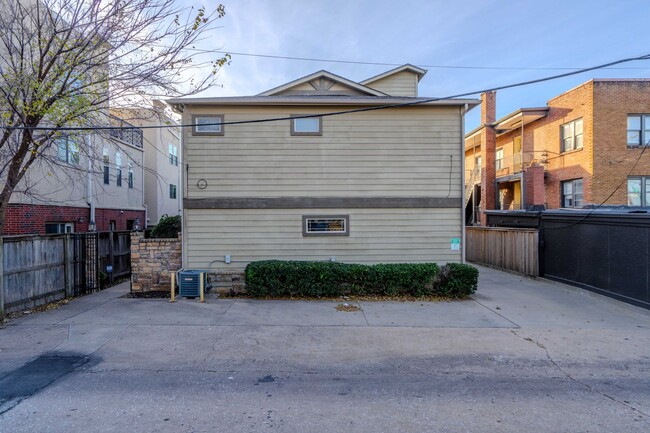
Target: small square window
column 207, row 125
column 326, row 225
column 306, row 126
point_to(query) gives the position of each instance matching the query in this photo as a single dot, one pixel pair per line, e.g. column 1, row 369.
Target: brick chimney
column 488, row 151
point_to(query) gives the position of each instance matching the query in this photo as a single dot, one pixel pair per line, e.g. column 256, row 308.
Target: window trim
column 107, row 168
column 306, row 218
column 295, row 133
column 644, row 139
column 498, row 162
column 60, row 226
column 573, row 135
column 71, row 147
column 644, row 192
column 130, row 175
column 573, row 193
column 195, row 122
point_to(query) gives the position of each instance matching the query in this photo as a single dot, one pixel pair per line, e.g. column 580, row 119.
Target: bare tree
column 62, row 61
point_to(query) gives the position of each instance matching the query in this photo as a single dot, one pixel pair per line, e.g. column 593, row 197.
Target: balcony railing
column 512, row 164
column 125, row 132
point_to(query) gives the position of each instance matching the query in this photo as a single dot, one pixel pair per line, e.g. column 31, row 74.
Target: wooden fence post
column 2, row 289
column 67, row 266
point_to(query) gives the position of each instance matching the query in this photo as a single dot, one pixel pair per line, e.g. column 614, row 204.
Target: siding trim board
column 322, row 203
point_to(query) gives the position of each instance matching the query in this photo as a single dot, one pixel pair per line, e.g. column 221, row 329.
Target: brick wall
column 22, row 219
column 613, row 159
column 153, row 261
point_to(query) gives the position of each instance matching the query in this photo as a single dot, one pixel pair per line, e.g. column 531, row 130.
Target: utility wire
column 337, row 113
column 352, row 62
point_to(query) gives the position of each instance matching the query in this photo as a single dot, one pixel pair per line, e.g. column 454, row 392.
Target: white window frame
column 107, row 167
column 210, row 129
column 643, row 131
column 498, row 159
column 118, row 169
column 61, row 227
column 67, row 150
column 307, row 221
column 644, row 191
column 569, row 135
column 575, row 203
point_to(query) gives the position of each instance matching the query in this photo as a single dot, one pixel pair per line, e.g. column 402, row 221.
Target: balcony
column 127, row 133
column 512, row 164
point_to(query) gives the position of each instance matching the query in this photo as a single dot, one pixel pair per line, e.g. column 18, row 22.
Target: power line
column 352, row 62
column 341, row 112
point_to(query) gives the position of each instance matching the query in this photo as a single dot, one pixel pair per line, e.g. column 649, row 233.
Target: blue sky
column 484, row 33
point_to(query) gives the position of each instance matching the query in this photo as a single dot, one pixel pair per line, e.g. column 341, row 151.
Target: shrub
column 456, row 280
column 167, row 227
column 276, row 278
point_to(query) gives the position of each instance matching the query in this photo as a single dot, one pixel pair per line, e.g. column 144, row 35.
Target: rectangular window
column 207, row 125
column 172, row 191
column 326, row 225
column 571, row 135
column 638, row 130
column 572, row 195
column 638, row 191
column 52, row 228
column 67, row 150
column 498, row 161
column 118, row 168
column 173, row 154
column 306, row 126
column 130, row 179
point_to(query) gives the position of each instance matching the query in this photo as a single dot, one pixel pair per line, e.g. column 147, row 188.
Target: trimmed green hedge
column 276, row 278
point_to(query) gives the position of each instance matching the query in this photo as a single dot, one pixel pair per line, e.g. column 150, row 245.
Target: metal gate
column 85, row 263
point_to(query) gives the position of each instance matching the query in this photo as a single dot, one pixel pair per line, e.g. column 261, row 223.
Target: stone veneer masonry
column 153, row 261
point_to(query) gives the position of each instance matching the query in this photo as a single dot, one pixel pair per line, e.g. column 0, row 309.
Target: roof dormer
column 401, row 81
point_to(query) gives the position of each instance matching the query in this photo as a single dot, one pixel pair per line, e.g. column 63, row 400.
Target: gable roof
column 407, row 67
column 337, row 79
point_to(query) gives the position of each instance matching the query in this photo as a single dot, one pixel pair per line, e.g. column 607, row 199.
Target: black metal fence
column 605, row 251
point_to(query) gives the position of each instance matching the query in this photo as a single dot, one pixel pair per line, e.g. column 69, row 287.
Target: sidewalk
column 517, row 351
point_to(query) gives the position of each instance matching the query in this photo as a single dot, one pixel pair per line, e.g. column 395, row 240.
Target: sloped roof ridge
column 322, row 73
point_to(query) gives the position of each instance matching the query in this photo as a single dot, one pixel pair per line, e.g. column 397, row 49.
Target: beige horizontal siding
column 407, row 152
column 401, row 84
column 376, row 235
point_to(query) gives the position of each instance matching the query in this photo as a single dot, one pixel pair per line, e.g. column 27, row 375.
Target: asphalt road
column 522, row 356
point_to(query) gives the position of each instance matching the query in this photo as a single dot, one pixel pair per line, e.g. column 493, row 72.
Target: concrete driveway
column 521, row 356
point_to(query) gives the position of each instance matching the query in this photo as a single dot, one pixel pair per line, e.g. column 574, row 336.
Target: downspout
column 143, row 224
column 92, row 226
column 463, row 110
column 522, row 196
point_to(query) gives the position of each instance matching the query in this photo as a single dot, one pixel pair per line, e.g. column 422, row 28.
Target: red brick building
column 92, row 183
column 587, row 147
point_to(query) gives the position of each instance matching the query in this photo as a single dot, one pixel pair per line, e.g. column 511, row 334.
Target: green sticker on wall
column 455, row 244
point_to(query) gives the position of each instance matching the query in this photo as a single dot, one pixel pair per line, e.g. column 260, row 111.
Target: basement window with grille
column 338, row 225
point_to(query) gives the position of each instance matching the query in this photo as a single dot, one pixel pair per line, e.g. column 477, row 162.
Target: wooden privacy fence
column 506, row 248
column 35, row 269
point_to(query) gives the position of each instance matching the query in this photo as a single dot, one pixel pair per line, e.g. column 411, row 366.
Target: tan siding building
column 364, row 187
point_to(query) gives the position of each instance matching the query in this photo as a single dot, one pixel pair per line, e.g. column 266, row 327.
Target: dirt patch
column 154, row 294
column 347, row 307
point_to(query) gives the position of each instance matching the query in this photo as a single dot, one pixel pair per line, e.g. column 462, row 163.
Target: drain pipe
column 89, row 196
column 463, row 110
